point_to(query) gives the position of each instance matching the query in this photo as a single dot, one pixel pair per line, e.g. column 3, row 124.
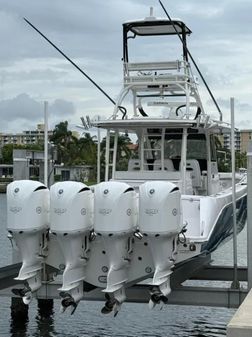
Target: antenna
column 190, row 55
column 84, row 123
column 122, row 109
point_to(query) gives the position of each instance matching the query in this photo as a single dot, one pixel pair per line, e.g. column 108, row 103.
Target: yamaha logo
column 105, row 211
column 83, row 211
column 174, row 211
column 15, row 210
column 39, row 210
column 151, row 211
column 129, row 212
column 60, row 211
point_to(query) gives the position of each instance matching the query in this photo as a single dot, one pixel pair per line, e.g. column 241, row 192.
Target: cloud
column 32, row 75
column 22, row 107
column 62, row 108
column 90, row 32
column 28, row 112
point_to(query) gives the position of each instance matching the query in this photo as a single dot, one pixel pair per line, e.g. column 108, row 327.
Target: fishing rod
column 121, row 108
column 190, row 55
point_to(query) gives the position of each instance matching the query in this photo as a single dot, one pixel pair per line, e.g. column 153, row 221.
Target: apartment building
column 246, row 136
column 227, row 140
column 242, row 138
column 25, row 137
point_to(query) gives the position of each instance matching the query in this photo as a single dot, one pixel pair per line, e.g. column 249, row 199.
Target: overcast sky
column 90, row 32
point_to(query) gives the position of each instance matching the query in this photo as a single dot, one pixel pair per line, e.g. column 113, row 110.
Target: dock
column 241, row 323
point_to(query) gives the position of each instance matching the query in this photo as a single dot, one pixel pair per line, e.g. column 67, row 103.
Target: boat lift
column 198, row 269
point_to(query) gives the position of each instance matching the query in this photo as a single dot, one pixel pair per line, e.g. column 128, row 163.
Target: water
column 134, row 320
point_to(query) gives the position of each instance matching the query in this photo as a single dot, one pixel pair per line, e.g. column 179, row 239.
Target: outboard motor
column 71, row 222
column 159, row 222
column 27, row 223
column 114, row 222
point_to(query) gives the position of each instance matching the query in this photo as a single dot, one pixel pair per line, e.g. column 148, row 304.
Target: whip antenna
column 76, row 66
column 190, row 55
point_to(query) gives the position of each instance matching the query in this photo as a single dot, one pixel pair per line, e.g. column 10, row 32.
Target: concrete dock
column 241, row 323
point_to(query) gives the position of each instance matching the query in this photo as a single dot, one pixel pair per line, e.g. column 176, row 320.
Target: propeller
column 157, row 297
column 66, row 302
column 25, row 293
column 111, row 304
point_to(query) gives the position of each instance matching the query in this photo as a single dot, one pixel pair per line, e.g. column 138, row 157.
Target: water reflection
column 19, row 325
column 206, row 328
column 44, row 319
column 19, row 318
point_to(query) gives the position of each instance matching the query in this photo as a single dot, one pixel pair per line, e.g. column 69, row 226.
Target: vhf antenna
column 122, row 109
column 190, row 55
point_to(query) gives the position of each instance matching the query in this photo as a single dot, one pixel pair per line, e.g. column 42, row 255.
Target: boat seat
column 193, row 166
column 134, row 165
column 168, row 165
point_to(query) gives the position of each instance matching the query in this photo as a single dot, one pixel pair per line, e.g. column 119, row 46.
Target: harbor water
column 133, row 320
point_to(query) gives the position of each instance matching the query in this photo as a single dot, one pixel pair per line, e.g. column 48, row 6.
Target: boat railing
column 154, row 68
column 136, row 178
column 147, row 175
column 151, row 66
column 158, row 73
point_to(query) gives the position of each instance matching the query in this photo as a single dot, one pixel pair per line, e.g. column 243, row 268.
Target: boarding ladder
column 110, row 153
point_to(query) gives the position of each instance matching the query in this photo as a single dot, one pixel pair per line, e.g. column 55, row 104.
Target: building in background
column 227, row 140
column 26, row 137
column 246, row 136
column 242, row 138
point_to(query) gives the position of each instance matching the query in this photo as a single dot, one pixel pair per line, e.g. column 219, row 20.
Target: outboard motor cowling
column 114, row 222
column 159, row 222
column 27, row 223
column 71, row 218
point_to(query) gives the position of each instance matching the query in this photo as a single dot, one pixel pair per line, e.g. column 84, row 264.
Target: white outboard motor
column 71, row 222
column 114, row 222
column 27, row 223
column 159, row 222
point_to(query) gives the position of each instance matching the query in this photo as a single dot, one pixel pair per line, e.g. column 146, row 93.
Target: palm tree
column 65, row 143
column 122, row 155
column 87, row 149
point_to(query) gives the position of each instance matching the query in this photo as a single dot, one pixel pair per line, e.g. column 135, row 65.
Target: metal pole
column 46, row 143
column 107, row 154
column 235, row 283
column 249, row 214
column 114, row 154
column 183, row 160
column 98, row 154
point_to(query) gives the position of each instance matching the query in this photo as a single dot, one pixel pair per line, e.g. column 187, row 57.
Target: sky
column 90, row 33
